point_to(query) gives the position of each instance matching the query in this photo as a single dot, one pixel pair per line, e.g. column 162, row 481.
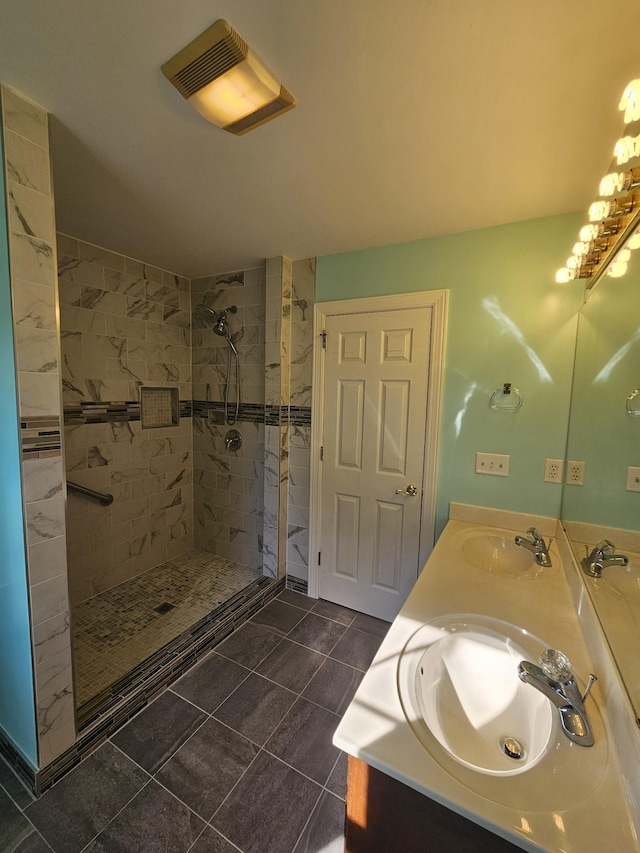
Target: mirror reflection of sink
column 458, row 683
column 495, row 551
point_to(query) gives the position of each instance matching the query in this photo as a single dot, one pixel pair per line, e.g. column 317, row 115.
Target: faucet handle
column 605, row 547
column 555, row 665
column 592, row 678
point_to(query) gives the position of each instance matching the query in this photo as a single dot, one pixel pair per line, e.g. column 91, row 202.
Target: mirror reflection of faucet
column 556, row 681
column 534, row 542
column 602, row 556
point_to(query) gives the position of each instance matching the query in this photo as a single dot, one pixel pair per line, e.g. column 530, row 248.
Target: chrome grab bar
column 105, row 500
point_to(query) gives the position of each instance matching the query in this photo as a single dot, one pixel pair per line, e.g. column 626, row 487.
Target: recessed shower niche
column 159, row 407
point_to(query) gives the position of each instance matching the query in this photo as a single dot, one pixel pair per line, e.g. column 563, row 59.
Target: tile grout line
column 108, row 824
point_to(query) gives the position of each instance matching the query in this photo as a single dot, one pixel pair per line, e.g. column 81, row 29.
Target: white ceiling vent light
column 225, row 81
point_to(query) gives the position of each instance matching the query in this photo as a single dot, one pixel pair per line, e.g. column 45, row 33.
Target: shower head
column 220, row 322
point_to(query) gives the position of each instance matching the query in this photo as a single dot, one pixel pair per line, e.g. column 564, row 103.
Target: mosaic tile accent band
column 113, row 411
column 297, row 584
column 40, row 437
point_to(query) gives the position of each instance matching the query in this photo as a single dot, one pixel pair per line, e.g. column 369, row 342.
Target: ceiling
column 415, row 118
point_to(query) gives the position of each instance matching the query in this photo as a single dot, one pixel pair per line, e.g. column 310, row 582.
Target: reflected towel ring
column 506, row 399
column 633, row 403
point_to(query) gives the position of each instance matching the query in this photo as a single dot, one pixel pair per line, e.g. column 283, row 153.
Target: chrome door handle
column 412, row 491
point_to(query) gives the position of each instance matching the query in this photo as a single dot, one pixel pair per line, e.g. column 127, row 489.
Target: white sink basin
column 495, row 551
column 458, row 683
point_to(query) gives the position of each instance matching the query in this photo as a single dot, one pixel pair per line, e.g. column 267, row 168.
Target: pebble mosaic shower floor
column 118, row 629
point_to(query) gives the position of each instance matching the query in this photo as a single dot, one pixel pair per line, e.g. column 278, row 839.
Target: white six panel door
column 374, row 421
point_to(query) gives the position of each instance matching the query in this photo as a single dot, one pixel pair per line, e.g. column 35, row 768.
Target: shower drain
column 512, row 748
column 165, row 607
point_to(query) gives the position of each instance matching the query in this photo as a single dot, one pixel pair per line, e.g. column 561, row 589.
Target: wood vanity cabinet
column 385, row 816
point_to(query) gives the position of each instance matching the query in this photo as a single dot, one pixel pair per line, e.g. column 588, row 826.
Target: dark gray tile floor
column 235, row 756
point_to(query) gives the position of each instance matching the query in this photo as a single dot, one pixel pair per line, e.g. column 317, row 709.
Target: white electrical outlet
column 633, row 479
column 492, row 463
column 553, row 470
column 575, row 473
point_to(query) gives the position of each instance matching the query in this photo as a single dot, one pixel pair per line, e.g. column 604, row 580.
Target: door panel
column 347, row 527
column 374, row 420
column 393, row 421
column 350, row 424
column 387, row 559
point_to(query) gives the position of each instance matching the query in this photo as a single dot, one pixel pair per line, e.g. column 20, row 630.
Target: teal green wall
column 17, row 704
column 508, row 322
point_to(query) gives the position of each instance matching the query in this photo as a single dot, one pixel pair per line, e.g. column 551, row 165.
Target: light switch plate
column 492, row 463
column 633, row 479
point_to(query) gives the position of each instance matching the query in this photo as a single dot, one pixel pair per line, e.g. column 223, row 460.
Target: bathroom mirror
column 604, row 433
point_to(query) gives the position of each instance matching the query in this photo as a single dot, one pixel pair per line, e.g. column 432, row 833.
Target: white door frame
column 438, row 300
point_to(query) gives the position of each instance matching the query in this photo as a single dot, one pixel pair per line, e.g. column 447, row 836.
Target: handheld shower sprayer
column 221, row 328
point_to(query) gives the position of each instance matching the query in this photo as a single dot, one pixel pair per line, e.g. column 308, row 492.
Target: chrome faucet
column 556, row 681
column 534, row 542
column 602, row 556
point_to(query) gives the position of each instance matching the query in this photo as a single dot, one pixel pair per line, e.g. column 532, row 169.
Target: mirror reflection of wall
column 604, row 436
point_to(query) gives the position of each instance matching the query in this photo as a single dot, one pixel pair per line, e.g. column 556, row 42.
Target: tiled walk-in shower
column 115, row 631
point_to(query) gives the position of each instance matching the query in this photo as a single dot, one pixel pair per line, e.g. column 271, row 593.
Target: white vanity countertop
column 577, row 806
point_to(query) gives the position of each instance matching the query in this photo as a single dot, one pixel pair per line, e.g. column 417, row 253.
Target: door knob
column 412, row 491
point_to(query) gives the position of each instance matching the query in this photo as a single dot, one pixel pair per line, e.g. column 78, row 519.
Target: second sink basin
column 495, row 551
column 458, row 683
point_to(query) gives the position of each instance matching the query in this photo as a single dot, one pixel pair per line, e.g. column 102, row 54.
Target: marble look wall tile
column 96, row 255
column 109, row 346
column 45, row 519
column 298, row 545
column 33, row 305
column 47, row 559
column 299, row 496
column 298, row 516
column 48, row 599
column 33, row 288
column 25, row 118
column 71, row 268
column 301, row 370
column 52, row 638
column 142, row 270
column 42, row 478
column 36, row 350
column 96, row 299
column 67, row 245
column 270, row 551
column 27, row 163
column 31, row 259
column 29, row 212
column 124, row 327
column 300, row 438
column 39, row 394
column 83, row 320
column 55, row 707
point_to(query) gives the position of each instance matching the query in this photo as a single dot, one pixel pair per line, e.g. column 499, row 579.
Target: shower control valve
column 233, row 440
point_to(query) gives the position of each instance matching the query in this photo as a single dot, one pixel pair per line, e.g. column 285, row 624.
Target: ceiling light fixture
column 223, row 79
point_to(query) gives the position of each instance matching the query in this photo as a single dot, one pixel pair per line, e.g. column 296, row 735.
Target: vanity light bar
column 603, row 243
